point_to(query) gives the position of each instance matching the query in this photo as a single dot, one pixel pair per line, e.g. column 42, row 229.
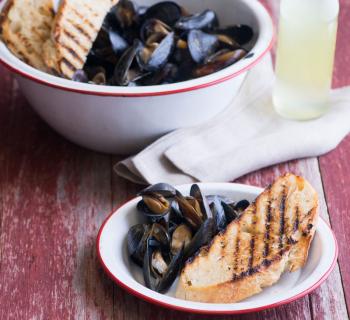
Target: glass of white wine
column 305, row 55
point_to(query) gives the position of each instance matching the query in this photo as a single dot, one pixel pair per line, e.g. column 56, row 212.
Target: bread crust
column 237, row 263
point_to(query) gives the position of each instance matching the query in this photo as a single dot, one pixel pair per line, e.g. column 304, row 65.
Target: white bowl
column 112, row 253
column 124, row 120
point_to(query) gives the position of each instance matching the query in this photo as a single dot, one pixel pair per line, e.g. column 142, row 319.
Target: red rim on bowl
column 213, row 312
column 38, row 79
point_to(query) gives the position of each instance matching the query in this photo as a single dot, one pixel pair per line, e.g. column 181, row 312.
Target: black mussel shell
column 122, row 69
column 125, row 13
column 230, row 211
column 80, row 76
column 168, row 74
column 219, row 61
column 150, row 282
column 240, row 33
column 218, row 214
column 148, row 213
column 181, row 237
column 136, row 242
column 153, row 27
column 202, row 237
column 175, row 217
column 191, row 210
column 165, row 189
column 242, row 205
column 170, row 275
column 118, row 43
column 154, row 58
column 167, row 11
column 99, row 78
column 160, row 236
column 204, row 20
column 201, row 45
column 196, row 193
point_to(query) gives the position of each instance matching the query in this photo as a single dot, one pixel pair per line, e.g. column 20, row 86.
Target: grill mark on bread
column 68, row 64
column 74, row 39
column 267, row 225
column 252, row 240
column 296, row 222
column 83, row 19
column 73, row 53
column 81, row 31
column 282, row 208
column 235, row 265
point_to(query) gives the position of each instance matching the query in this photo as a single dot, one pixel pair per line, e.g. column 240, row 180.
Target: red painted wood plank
column 54, row 196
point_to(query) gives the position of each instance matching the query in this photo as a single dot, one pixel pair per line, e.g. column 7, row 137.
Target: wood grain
column 54, row 196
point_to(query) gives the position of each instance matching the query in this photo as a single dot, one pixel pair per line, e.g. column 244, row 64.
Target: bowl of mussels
column 153, row 68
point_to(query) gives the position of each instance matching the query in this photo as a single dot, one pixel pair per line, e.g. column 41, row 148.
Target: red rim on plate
column 214, row 312
column 145, row 94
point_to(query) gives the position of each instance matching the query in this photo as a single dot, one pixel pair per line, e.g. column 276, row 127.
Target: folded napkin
column 248, row 135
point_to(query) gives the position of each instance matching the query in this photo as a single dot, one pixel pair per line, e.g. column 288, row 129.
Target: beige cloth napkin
column 245, row 137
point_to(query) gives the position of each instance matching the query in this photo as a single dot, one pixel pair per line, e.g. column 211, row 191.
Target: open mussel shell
column 125, row 13
column 201, row 45
column 191, row 210
column 166, row 11
column 240, row 33
column 153, row 27
column 160, row 236
column 136, row 242
column 164, row 189
column 122, row 71
column 196, row 193
column 219, row 61
column 230, row 211
column 218, row 214
column 171, row 273
column 80, row 76
column 181, row 237
column 158, row 264
column 154, row 56
column 155, row 209
column 118, row 43
column 202, row 237
column 206, row 19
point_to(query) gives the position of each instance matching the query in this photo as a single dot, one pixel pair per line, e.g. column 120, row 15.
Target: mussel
column 206, row 19
column 125, row 13
column 218, row 214
column 218, row 61
column 168, row 12
column 240, row 33
column 165, row 189
column 191, row 211
column 153, row 56
column 201, row 45
column 181, row 237
column 118, row 43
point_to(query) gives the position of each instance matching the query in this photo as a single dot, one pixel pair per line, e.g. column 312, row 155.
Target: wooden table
column 55, row 195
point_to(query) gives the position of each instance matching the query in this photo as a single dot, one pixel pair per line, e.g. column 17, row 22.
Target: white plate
column 112, row 252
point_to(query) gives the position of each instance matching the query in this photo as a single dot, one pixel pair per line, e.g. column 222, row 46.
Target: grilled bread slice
column 273, row 235
column 25, row 26
column 74, row 31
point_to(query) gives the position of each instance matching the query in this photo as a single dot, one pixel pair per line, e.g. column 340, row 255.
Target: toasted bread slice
column 25, row 26
column 74, row 31
column 271, row 236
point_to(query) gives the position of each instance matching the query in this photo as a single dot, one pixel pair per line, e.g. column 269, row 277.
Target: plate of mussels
column 146, row 244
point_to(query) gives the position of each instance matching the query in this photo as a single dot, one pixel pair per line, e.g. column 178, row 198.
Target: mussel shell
column 201, row 45
column 160, row 236
column 165, row 189
column 192, row 214
column 136, row 242
column 196, row 193
column 153, row 26
column 230, row 211
column 168, row 74
column 125, row 13
column 241, row 33
column 122, row 68
column 206, row 19
column 118, row 43
column 167, row 11
column 218, row 62
column 242, row 205
column 150, row 281
column 202, row 237
column 148, row 213
column 181, row 237
column 218, row 214
column 154, row 59
column 173, row 270
column 158, row 264
column 175, row 217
